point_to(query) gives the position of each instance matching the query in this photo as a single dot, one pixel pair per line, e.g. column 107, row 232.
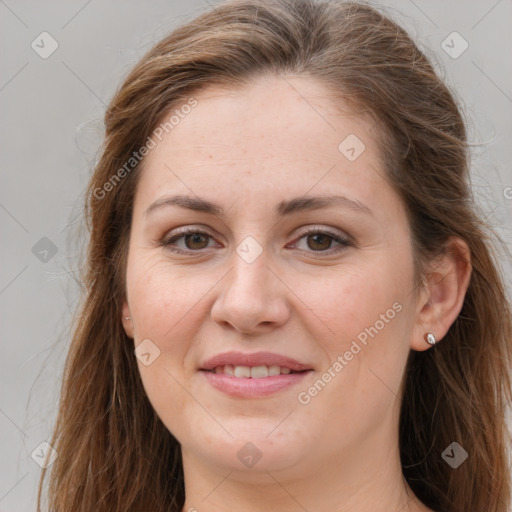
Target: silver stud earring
column 127, row 317
column 431, row 339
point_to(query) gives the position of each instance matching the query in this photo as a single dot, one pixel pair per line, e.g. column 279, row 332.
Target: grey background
column 52, row 124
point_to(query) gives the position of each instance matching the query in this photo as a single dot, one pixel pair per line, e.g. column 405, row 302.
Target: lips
column 253, row 375
column 256, row 359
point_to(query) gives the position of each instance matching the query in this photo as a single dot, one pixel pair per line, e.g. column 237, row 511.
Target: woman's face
column 299, row 281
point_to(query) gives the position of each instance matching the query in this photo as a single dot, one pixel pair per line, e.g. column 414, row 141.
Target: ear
column 127, row 319
column 442, row 296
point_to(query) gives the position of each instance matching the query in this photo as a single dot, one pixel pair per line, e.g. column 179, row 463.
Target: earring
column 430, row 339
column 127, row 317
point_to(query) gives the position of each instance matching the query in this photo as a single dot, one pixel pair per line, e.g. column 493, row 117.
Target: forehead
column 278, row 109
column 277, row 134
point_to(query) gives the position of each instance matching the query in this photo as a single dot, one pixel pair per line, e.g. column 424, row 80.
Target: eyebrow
column 297, row 204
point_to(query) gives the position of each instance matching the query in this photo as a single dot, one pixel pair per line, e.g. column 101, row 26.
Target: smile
column 254, row 372
column 252, row 375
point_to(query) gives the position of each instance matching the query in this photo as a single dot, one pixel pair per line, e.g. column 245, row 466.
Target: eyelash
column 344, row 242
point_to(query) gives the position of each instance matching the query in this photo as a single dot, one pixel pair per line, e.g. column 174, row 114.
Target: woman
column 291, row 303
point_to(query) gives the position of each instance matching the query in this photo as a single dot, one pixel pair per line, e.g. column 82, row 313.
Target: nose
column 252, row 298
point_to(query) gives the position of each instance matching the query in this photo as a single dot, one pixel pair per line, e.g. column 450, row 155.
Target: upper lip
column 254, row 359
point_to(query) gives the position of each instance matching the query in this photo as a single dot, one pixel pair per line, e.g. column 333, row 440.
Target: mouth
column 253, row 375
column 253, row 372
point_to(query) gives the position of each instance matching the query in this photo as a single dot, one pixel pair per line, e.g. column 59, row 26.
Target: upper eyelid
column 182, row 231
column 322, row 229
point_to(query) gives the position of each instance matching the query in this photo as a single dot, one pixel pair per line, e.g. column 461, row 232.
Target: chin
column 251, row 450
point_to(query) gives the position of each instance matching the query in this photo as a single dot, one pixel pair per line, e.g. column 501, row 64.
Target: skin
column 247, row 149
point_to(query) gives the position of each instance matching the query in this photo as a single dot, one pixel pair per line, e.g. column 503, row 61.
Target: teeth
column 254, row 372
column 258, row 372
column 273, row 370
column 242, row 371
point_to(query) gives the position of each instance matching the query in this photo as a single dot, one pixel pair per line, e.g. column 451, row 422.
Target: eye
column 194, row 240
column 319, row 240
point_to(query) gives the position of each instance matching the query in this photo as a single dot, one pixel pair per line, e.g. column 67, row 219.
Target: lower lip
column 249, row 387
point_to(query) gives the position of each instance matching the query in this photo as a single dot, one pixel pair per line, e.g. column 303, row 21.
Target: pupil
column 196, row 238
column 320, row 236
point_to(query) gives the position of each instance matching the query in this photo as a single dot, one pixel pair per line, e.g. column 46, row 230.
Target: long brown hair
column 114, row 453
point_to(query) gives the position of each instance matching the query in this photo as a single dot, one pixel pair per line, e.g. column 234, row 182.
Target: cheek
column 164, row 301
column 356, row 303
column 168, row 307
column 364, row 330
